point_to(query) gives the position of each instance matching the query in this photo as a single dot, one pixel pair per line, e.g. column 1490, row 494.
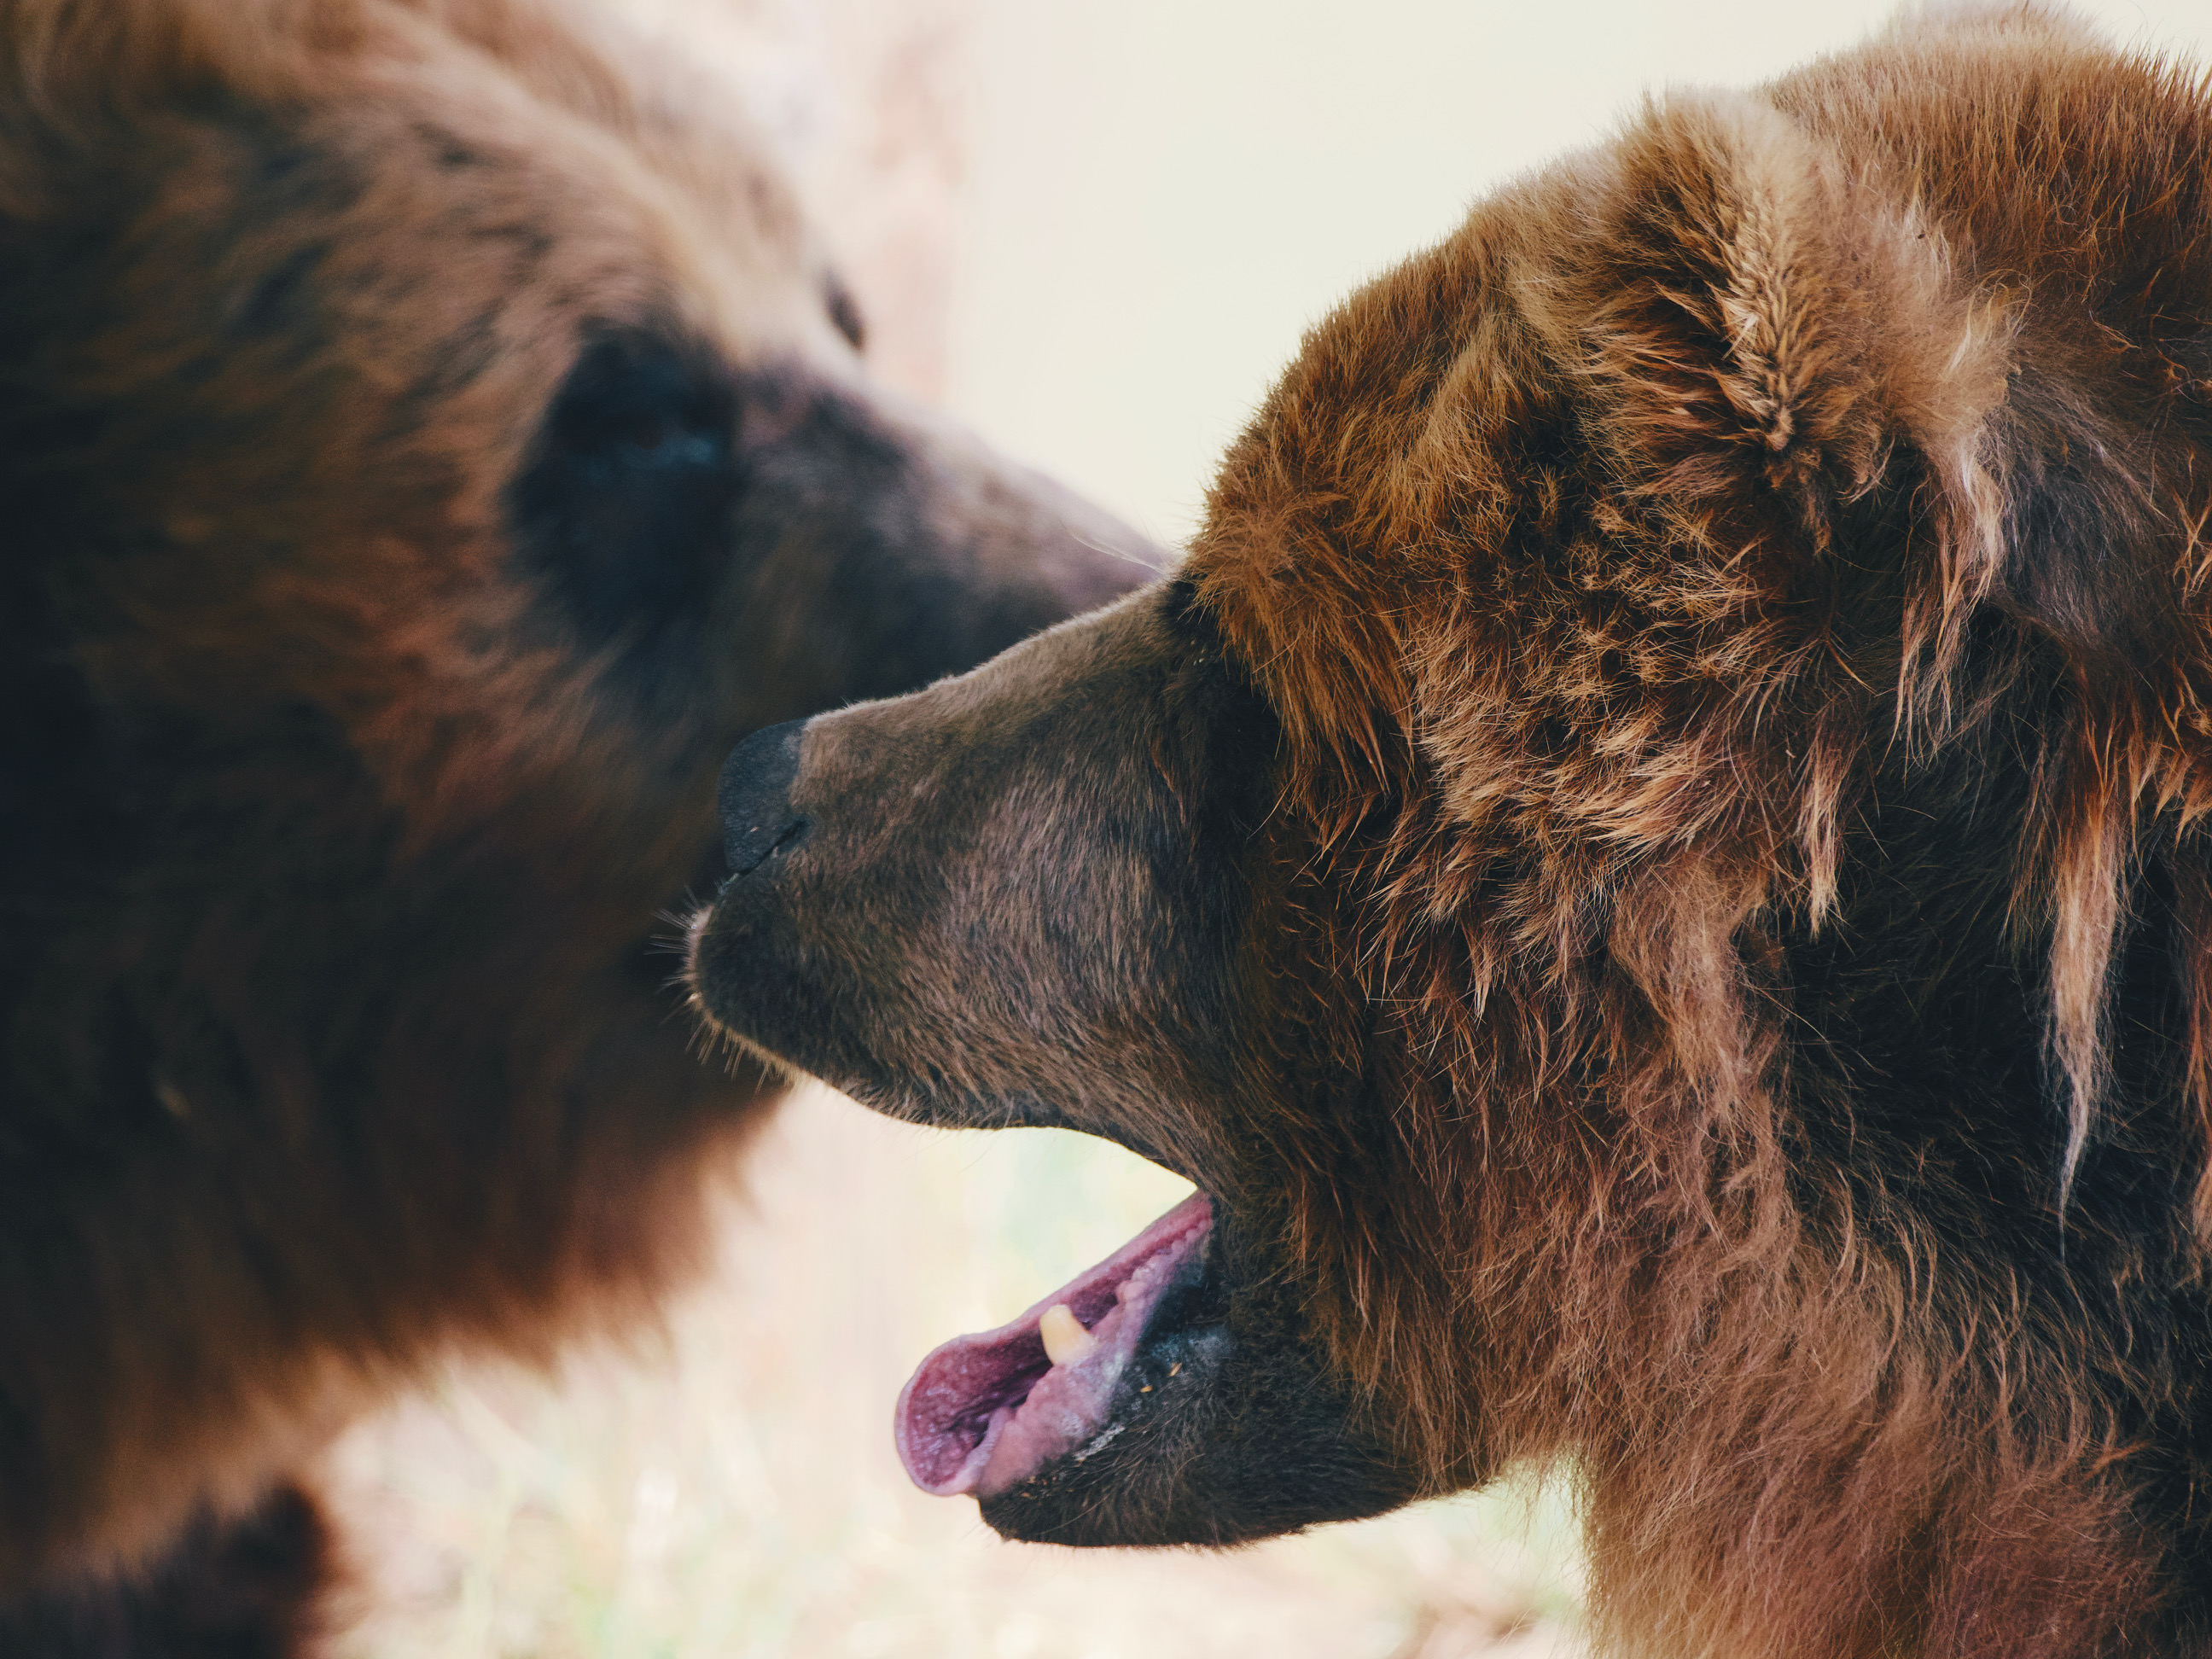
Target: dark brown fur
column 429, row 437
column 1653, row 863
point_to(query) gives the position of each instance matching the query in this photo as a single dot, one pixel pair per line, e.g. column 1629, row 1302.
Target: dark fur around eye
column 623, row 508
column 1206, row 652
column 1187, row 619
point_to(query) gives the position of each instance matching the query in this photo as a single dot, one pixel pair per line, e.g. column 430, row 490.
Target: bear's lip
column 983, row 1413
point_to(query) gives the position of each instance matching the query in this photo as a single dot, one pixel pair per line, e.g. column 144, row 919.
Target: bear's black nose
column 755, row 797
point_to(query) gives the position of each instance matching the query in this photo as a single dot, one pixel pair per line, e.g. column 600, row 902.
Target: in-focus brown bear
column 1652, row 866
column 430, row 436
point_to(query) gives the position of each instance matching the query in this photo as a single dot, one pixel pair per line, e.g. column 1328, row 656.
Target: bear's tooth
column 1065, row 1341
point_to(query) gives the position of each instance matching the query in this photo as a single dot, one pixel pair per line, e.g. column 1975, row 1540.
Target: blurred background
column 1097, row 232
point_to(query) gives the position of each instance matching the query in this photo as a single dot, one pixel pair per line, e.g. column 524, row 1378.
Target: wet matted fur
column 430, row 434
column 1652, row 863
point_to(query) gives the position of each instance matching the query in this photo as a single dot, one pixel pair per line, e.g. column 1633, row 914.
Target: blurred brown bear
column 430, row 436
column 1655, row 866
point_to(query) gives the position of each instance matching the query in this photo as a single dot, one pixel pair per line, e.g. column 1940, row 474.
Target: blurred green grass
column 730, row 1488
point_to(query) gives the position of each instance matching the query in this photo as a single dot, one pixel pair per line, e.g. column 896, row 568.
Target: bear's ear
column 1758, row 331
column 1767, row 338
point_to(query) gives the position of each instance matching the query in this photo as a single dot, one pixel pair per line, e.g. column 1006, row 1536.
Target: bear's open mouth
column 983, row 1413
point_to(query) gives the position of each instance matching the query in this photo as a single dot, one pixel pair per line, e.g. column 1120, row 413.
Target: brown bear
column 1652, row 866
column 430, row 434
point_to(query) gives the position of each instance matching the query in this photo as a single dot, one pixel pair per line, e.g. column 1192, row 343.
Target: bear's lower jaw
column 1168, row 1396
column 1243, row 1436
column 984, row 1413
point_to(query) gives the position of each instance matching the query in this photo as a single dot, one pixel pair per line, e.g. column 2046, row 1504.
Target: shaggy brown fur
column 429, row 434
column 1654, row 865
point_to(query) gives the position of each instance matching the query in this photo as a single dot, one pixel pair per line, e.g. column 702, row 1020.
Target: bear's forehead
column 499, row 143
column 622, row 211
column 1407, row 449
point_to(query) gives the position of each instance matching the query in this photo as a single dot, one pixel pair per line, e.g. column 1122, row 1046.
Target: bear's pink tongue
column 983, row 1413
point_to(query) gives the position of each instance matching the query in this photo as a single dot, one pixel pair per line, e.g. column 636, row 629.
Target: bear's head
column 430, row 434
column 1650, row 865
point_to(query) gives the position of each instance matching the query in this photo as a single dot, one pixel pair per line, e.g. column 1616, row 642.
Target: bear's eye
column 624, row 505
column 633, row 401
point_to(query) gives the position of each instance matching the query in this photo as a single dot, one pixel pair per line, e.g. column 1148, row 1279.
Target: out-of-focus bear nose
column 755, row 798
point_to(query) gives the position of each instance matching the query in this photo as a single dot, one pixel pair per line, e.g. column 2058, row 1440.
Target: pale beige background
column 1097, row 231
